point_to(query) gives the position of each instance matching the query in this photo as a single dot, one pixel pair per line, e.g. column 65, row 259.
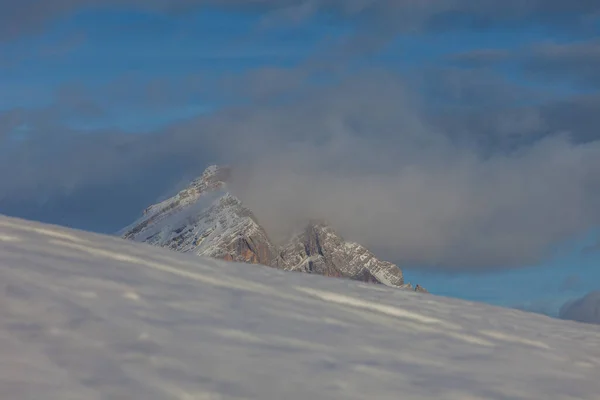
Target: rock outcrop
column 319, row 249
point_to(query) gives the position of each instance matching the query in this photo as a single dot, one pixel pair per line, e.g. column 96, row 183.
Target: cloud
column 362, row 152
column 585, row 309
column 28, row 16
column 480, row 87
column 578, row 62
column 591, row 249
column 575, row 62
column 480, row 57
column 362, row 158
column 577, row 115
column 9, row 121
column 571, row 282
column 505, row 125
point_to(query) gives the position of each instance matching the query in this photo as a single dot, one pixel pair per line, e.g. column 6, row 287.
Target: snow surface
column 87, row 316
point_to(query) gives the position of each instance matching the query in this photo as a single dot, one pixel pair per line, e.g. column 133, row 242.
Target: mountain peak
column 212, row 179
column 215, row 174
column 320, row 249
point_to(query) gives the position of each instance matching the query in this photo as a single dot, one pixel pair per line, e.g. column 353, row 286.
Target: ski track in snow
column 87, row 316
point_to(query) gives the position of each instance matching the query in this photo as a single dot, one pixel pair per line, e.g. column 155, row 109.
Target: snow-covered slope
column 92, row 317
column 207, row 220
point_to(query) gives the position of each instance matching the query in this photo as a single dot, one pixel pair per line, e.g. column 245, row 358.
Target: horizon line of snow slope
column 88, row 316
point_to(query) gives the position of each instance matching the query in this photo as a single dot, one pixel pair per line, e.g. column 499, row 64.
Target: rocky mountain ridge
column 207, row 220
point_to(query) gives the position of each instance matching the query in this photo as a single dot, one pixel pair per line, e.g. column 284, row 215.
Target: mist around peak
column 364, row 158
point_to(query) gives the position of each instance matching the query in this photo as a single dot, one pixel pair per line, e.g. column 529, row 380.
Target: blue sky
column 104, row 110
column 542, row 288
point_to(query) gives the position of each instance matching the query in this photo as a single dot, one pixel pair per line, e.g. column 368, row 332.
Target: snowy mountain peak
column 213, row 178
column 213, row 175
column 207, row 220
column 210, row 223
